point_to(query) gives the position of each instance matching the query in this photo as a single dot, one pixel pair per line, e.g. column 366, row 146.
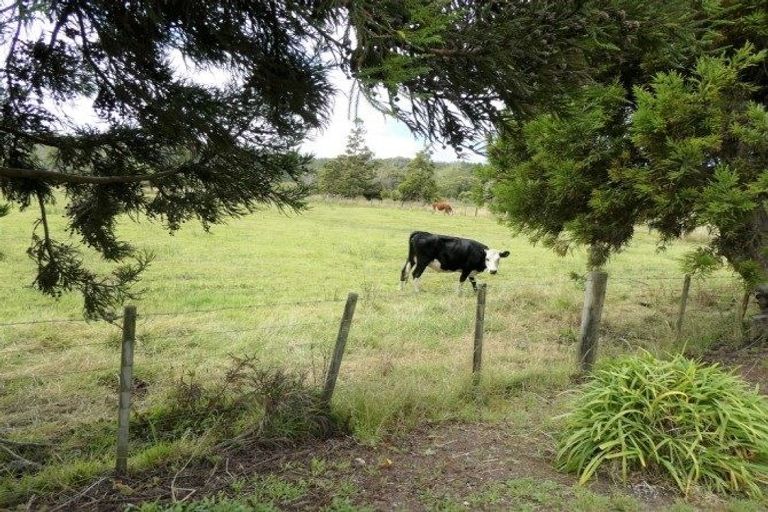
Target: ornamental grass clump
column 696, row 423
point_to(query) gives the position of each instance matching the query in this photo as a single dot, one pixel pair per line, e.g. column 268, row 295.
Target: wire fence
column 60, row 372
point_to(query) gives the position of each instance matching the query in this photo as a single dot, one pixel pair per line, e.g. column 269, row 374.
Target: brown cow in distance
column 442, row 206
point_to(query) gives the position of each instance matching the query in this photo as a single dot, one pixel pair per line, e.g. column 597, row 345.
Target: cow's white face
column 492, row 259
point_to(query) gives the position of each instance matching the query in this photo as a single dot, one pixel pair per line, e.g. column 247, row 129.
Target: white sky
column 387, row 137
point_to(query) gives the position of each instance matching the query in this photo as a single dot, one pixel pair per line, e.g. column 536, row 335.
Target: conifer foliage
column 673, row 134
column 164, row 147
column 577, row 90
column 171, row 149
column 419, row 181
column 352, row 174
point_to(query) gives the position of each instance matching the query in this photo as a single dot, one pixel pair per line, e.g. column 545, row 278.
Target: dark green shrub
column 692, row 422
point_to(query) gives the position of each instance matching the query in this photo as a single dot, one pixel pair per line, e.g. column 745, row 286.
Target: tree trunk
column 754, row 250
column 758, row 246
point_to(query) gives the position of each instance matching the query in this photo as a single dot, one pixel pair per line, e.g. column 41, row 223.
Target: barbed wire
column 6, row 379
column 231, row 308
column 207, row 283
column 102, row 343
column 11, row 378
column 378, row 294
column 272, row 327
column 144, row 337
column 51, row 321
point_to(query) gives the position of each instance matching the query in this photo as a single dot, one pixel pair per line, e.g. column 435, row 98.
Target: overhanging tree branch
column 77, row 179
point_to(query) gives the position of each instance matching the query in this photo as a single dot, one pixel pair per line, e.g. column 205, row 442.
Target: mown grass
column 273, row 284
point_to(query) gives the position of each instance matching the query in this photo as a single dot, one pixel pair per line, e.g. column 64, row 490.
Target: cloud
column 387, row 137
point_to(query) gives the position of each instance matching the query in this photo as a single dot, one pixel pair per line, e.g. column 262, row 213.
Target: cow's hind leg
column 404, row 273
column 417, row 271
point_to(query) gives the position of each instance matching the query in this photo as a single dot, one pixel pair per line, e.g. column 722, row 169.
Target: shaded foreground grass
column 273, row 285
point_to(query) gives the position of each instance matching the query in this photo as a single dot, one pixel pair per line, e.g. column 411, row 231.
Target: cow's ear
column 504, row 254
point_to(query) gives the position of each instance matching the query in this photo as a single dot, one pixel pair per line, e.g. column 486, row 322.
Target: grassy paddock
column 273, row 284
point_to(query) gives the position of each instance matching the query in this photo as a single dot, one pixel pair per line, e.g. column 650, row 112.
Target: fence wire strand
column 52, row 321
column 268, row 328
column 12, row 378
column 233, row 308
column 57, row 349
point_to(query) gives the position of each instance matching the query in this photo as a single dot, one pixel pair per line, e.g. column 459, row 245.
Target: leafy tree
column 390, row 173
column 174, row 150
column 671, row 134
column 352, row 174
column 481, row 192
column 165, row 147
column 557, row 175
column 419, row 182
column 454, row 62
column 454, row 178
column 705, row 146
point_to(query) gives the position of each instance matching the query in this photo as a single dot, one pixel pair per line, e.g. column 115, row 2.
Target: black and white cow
column 448, row 254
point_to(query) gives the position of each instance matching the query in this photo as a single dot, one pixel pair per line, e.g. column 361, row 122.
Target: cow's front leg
column 464, row 276
column 474, row 283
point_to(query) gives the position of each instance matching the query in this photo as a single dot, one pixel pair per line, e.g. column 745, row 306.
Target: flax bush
column 692, row 422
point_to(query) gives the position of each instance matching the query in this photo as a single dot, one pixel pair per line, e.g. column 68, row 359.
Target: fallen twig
column 78, row 495
column 173, row 482
column 19, row 458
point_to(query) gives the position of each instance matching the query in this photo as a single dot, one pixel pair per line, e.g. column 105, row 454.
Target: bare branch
column 58, row 177
column 44, row 221
column 19, row 458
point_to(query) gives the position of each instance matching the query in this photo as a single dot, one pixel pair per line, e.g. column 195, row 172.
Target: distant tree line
column 355, row 173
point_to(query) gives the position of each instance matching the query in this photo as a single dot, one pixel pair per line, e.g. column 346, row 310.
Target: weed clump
column 292, row 410
column 250, row 401
column 692, row 422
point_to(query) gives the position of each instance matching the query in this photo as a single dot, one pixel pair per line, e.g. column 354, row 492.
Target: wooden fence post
column 477, row 354
column 683, row 304
column 594, row 298
column 741, row 330
column 338, row 351
column 126, row 383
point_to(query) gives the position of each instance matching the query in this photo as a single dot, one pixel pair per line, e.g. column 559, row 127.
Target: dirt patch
column 750, row 361
column 433, row 467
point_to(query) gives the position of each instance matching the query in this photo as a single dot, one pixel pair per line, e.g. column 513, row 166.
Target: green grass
column 528, row 494
column 273, row 285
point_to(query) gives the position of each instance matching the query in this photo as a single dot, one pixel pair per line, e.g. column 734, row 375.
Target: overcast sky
column 387, row 137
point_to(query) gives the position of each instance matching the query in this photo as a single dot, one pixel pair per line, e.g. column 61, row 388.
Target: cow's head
column 492, row 259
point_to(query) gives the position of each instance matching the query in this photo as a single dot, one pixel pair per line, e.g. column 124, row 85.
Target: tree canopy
column 165, row 147
column 169, row 148
column 672, row 134
column 419, row 181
